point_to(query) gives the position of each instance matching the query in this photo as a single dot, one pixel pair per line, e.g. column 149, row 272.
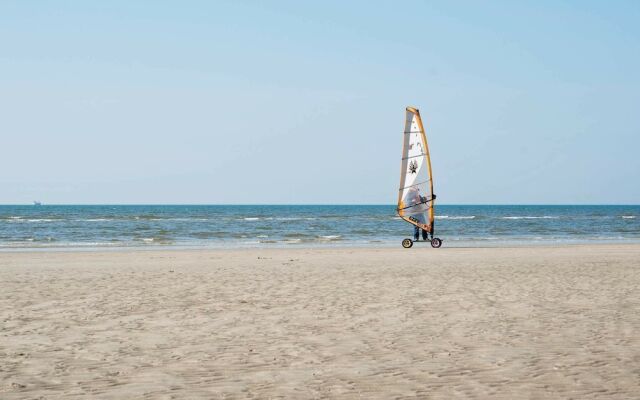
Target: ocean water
column 232, row 226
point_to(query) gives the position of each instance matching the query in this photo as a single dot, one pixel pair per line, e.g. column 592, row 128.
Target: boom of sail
column 415, row 197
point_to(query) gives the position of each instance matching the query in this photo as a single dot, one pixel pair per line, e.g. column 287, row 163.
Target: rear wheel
column 436, row 243
column 407, row 243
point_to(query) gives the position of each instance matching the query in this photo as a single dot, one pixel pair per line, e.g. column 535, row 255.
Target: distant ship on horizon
column 37, row 203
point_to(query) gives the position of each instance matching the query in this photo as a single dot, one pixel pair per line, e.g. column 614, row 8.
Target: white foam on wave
column 43, row 220
column 455, row 217
column 251, row 218
column 95, row 219
column 182, row 219
column 329, row 237
column 148, row 240
column 628, row 216
column 533, row 217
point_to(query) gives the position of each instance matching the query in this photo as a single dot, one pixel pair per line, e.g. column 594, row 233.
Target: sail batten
column 415, row 184
column 415, row 197
column 419, row 155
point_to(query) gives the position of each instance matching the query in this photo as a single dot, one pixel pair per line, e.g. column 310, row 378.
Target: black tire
column 407, row 243
column 436, row 243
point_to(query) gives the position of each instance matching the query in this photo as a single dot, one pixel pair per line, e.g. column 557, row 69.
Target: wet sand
column 503, row 323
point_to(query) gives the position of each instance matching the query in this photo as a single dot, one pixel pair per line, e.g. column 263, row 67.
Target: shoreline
column 326, row 246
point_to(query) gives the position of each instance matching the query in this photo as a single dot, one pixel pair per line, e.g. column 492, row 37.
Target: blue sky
column 301, row 102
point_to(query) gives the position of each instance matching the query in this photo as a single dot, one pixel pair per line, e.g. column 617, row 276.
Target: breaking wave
column 533, row 217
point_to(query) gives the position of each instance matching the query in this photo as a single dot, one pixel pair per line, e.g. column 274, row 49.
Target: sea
column 254, row 226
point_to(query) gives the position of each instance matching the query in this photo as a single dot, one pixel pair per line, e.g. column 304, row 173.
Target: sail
column 416, row 198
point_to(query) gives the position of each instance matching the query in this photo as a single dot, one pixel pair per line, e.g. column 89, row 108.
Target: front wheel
column 407, row 243
column 436, row 243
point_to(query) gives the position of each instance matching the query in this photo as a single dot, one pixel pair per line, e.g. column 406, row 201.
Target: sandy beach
column 506, row 323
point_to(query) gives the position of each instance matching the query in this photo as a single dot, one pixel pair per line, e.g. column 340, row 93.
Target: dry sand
column 512, row 323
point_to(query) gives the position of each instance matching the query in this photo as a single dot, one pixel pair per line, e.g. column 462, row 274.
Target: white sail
column 415, row 198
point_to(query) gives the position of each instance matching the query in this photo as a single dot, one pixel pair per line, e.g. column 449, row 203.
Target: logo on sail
column 413, row 167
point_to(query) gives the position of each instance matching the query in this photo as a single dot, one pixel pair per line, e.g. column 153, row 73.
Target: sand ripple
column 552, row 323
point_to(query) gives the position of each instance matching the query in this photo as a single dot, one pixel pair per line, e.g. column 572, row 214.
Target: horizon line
column 311, row 204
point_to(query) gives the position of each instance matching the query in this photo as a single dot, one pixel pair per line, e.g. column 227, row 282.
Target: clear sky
column 303, row 102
